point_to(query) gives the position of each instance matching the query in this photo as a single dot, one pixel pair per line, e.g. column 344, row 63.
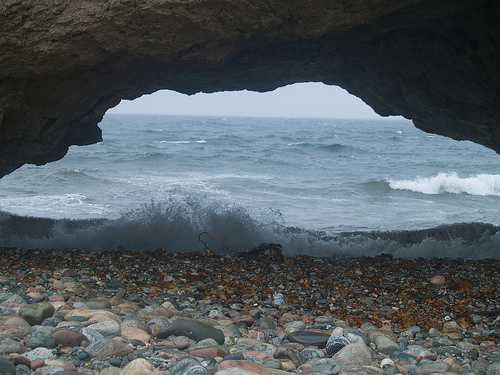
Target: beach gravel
column 124, row 312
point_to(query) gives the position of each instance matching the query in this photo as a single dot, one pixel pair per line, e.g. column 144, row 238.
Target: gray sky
column 298, row 100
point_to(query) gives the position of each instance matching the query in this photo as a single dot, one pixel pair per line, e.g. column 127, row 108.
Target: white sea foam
column 182, row 142
column 332, row 178
column 53, row 206
column 481, row 184
column 176, row 224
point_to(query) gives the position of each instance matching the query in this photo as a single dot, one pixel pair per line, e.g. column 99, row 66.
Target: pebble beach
column 157, row 312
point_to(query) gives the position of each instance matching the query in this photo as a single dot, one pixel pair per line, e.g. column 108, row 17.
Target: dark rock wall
column 63, row 63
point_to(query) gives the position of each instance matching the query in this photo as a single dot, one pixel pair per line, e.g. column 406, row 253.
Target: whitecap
column 451, row 183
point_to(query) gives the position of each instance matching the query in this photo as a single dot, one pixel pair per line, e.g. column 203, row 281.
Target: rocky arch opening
column 65, row 65
column 324, row 187
column 312, row 100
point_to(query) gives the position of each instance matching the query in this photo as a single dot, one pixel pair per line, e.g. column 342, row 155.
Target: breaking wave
column 481, row 184
column 175, row 225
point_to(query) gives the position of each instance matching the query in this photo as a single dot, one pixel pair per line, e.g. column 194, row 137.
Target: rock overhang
column 64, row 63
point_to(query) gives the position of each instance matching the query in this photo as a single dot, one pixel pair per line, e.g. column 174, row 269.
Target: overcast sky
column 298, row 100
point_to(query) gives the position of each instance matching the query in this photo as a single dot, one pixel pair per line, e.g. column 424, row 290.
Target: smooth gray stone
column 193, row 329
column 7, row 367
column 41, row 339
column 267, row 323
column 309, row 338
column 108, row 328
column 309, row 353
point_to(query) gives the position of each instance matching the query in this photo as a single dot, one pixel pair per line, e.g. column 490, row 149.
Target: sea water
column 322, row 187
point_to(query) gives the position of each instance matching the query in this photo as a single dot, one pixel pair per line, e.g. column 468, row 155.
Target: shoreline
column 392, row 294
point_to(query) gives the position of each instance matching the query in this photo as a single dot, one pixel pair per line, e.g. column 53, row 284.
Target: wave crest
column 175, row 224
column 451, row 183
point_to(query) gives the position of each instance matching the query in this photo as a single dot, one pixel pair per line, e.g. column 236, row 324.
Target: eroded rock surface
column 63, row 63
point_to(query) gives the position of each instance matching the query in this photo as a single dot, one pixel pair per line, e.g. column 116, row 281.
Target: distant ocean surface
column 321, row 187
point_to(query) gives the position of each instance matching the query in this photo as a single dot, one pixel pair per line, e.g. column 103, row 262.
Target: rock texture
column 64, row 63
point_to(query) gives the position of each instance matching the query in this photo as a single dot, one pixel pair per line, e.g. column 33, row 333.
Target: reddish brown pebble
column 248, row 320
column 208, row 351
column 133, row 333
column 56, row 297
column 283, row 352
column 37, row 363
column 69, row 366
column 7, row 330
column 21, row 360
column 245, row 365
column 17, row 321
column 66, row 307
column 163, row 311
column 68, row 337
column 257, row 354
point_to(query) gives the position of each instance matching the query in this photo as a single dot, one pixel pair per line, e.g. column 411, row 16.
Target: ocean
column 321, row 187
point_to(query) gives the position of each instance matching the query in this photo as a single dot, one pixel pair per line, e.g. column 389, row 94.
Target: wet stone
column 493, row 369
column 208, row 351
column 188, row 367
column 76, row 319
column 35, row 313
column 83, row 355
column 431, row 368
column 391, row 370
column 5, row 296
column 295, row 325
column 193, row 329
column 312, row 353
column 231, row 329
column 470, row 346
column 18, row 322
column 248, row 320
column 108, row 328
column 37, row 363
column 68, row 337
column 7, row 330
column 7, row 367
column 42, row 353
column 41, row 339
column 385, row 344
column 267, row 323
column 11, row 347
column 106, row 348
column 20, row 360
column 16, row 299
column 98, row 303
column 115, row 361
column 309, row 338
column 51, row 369
column 354, row 354
column 448, row 350
column 272, row 364
column 52, row 321
column 181, row 342
column 234, row 356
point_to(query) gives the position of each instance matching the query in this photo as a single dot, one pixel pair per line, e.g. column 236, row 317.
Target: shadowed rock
column 64, row 63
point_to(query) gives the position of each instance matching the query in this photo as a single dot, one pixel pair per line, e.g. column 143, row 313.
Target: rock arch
column 64, row 63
